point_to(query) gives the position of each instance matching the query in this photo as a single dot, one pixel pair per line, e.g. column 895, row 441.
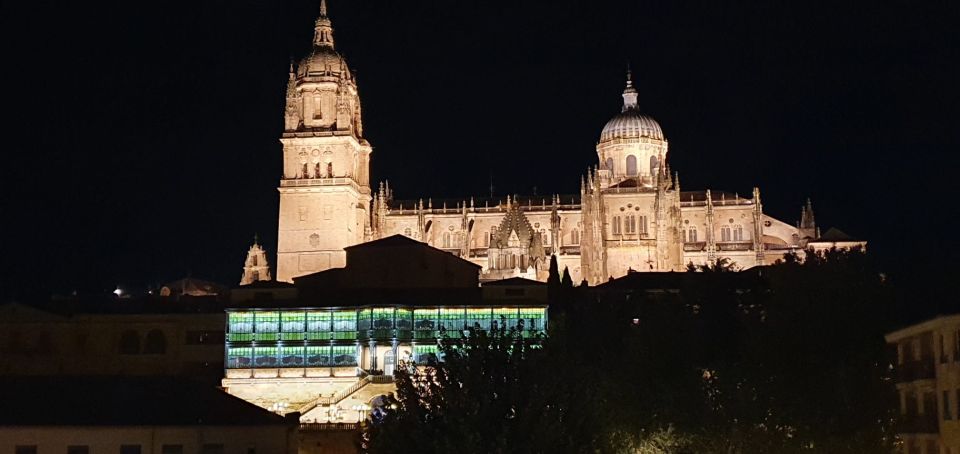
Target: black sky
column 141, row 137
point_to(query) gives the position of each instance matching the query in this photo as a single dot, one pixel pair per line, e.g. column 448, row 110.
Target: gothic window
column 446, row 240
column 129, row 343
column 737, row 232
column 329, row 170
column 616, row 225
column 156, row 343
column 609, row 164
column 631, row 165
column 303, row 171
column 631, row 224
column 725, row 233
column 643, row 225
column 316, row 170
column 692, row 235
column 575, row 237
column 654, row 163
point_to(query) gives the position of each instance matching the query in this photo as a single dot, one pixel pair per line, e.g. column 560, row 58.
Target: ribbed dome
column 631, row 124
column 324, row 59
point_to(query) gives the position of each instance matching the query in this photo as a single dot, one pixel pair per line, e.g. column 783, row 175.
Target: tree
column 553, row 279
column 566, row 281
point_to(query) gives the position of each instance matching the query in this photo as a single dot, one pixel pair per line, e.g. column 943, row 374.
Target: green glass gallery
column 348, row 340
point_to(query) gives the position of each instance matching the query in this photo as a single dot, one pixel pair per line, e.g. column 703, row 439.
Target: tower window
column 616, row 225
column 317, row 107
column 609, row 164
column 575, row 237
column 329, row 170
column 654, row 163
column 316, row 170
column 631, row 165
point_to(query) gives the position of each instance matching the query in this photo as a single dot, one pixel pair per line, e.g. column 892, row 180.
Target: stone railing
column 323, row 426
column 337, row 397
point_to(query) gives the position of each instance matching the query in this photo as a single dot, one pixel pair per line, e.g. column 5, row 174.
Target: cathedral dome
column 631, row 124
column 324, row 60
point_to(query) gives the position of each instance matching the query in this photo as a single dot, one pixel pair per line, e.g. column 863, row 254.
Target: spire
column 323, row 28
column 806, row 216
column 629, row 93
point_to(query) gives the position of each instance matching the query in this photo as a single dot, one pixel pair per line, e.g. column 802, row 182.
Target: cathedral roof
column 630, row 123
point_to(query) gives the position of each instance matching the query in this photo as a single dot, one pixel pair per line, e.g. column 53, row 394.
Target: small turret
column 255, row 267
column 808, row 226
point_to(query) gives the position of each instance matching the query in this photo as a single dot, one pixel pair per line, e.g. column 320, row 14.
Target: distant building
column 630, row 213
column 255, row 267
column 336, row 345
column 135, row 416
column 928, row 385
column 131, row 337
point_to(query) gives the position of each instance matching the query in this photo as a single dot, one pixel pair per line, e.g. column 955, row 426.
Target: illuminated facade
column 928, row 385
column 630, row 213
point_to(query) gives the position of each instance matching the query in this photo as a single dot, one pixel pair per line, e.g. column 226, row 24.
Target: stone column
column 373, row 354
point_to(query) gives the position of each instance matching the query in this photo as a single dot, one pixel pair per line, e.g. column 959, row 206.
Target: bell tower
column 325, row 187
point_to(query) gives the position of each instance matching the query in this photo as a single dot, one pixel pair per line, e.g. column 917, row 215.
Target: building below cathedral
column 630, row 214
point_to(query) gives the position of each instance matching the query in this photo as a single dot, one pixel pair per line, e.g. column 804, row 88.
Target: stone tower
column 325, row 187
column 255, row 268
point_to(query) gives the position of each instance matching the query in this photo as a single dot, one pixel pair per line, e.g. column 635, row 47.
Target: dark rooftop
column 115, row 401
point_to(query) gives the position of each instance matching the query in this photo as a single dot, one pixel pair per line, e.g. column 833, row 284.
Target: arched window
column 329, row 170
column 616, row 225
column 609, row 164
column 129, row 343
column 304, row 172
column 738, row 232
column 631, row 165
column 643, row 225
column 156, row 343
column 692, row 235
column 725, row 233
column 446, row 240
column 316, row 170
column 575, row 237
column 631, row 224
column 654, row 163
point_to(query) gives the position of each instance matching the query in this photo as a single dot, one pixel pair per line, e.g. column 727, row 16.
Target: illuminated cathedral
column 630, row 214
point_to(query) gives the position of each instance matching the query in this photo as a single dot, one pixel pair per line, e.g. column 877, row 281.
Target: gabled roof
column 124, row 401
column 390, row 241
column 835, row 235
column 514, row 281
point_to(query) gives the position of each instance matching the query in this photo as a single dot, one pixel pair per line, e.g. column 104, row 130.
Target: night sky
column 141, row 140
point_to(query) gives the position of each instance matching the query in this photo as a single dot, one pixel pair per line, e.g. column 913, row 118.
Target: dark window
column 25, row 449
column 78, row 450
column 946, row 406
column 171, row 449
column 156, row 342
column 129, row 449
column 129, row 343
column 329, row 170
column 204, row 337
column 212, row 449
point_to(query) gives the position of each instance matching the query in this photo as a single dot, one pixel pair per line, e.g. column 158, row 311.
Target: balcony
column 735, row 246
column 918, row 424
column 916, row 370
